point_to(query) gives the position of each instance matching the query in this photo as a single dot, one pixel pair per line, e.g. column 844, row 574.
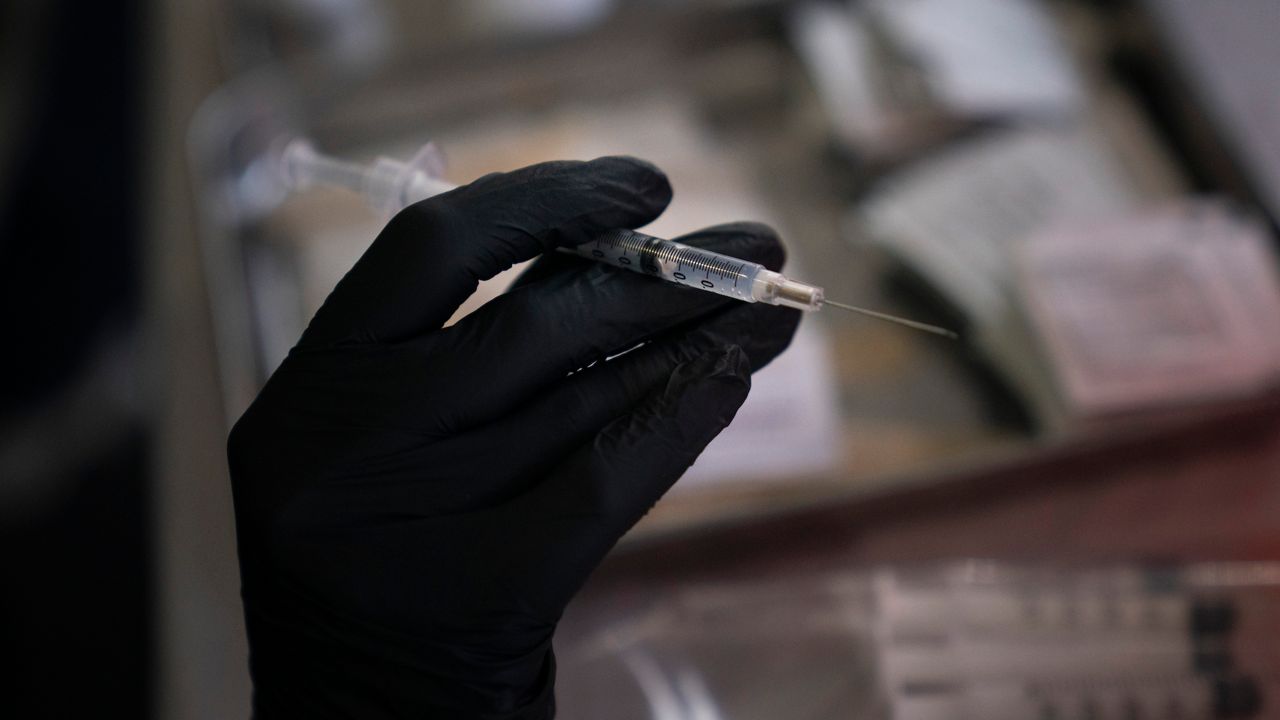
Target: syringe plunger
column 388, row 184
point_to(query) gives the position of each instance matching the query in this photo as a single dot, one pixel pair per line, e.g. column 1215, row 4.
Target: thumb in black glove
column 415, row 504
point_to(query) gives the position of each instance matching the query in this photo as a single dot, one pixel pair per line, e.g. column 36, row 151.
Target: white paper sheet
column 1166, row 306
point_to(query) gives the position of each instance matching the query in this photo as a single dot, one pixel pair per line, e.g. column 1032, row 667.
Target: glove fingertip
column 775, row 329
column 645, row 178
column 766, row 244
column 706, row 393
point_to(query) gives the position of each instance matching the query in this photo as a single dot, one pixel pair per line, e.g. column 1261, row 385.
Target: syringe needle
column 895, row 319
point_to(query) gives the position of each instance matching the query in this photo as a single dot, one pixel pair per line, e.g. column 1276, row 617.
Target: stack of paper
column 1170, row 305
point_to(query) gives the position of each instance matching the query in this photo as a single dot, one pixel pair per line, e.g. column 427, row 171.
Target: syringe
column 706, row 270
column 390, row 185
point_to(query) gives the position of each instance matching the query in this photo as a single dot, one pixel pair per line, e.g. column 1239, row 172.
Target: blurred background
column 1070, row 512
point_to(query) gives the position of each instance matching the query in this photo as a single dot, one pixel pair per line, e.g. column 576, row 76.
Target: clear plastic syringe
column 390, row 185
column 721, row 274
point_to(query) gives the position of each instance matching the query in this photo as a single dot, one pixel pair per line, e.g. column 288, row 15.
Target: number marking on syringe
column 652, row 254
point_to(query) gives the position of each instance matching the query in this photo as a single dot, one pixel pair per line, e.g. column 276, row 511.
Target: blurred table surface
column 1202, row 487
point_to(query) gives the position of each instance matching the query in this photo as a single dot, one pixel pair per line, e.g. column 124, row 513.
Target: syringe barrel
column 683, row 264
column 698, row 268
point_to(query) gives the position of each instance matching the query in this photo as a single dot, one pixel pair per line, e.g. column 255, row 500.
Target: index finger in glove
column 431, row 256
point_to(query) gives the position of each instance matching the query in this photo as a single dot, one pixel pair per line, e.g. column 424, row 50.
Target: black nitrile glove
column 416, row 505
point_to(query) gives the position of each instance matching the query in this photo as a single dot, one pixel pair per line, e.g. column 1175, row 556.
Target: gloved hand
column 416, row 505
